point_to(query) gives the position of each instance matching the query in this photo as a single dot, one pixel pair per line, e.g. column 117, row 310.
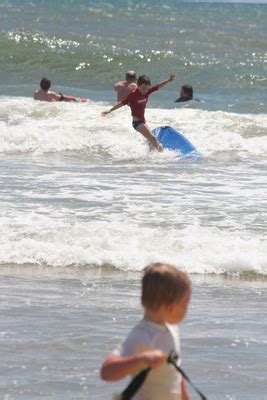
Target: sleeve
column 152, row 89
column 137, row 341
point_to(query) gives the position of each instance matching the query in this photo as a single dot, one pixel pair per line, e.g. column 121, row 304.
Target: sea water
column 85, row 206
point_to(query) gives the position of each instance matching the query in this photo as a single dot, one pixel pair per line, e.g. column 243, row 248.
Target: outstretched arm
column 60, row 97
column 115, row 107
column 70, row 98
column 171, row 78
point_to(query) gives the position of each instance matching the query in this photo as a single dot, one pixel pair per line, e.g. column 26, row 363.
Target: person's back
column 46, row 96
column 165, row 297
column 162, row 382
column 123, row 88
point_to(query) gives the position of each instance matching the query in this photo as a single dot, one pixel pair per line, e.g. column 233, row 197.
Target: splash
column 38, row 128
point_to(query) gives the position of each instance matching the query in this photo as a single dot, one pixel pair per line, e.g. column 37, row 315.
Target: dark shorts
column 138, row 122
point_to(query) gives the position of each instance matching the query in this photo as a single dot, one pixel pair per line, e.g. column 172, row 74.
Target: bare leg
column 154, row 144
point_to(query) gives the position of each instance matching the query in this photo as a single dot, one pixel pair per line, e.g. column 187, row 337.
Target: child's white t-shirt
column 163, row 383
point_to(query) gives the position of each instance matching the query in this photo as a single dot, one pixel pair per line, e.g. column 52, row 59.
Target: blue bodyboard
column 170, row 139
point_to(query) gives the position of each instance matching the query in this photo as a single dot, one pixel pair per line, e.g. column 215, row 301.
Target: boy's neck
column 157, row 317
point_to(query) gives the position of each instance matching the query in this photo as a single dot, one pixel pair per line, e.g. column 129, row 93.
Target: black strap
column 172, row 360
column 139, row 379
column 135, row 385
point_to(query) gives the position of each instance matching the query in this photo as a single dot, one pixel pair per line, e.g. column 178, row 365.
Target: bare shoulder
column 132, row 86
column 119, row 84
column 35, row 94
column 46, row 96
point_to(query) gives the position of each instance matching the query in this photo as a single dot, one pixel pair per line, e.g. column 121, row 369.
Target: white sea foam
column 41, row 239
column 33, row 127
column 111, row 202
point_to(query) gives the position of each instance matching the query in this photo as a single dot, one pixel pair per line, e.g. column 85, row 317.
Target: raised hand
column 172, row 77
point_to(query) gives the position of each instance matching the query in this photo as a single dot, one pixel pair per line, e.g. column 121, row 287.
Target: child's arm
column 117, row 367
column 185, row 394
column 115, row 107
column 171, row 78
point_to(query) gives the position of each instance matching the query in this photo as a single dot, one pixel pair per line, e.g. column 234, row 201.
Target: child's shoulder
column 132, row 86
column 143, row 331
column 147, row 330
column 139, row 339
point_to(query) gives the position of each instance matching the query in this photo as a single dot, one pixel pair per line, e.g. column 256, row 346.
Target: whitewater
column 78, row 188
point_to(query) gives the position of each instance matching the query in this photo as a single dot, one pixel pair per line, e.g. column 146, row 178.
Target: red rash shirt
column 137, row 102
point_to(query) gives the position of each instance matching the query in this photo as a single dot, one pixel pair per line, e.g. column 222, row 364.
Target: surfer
column 186, row 94
column 166, row 292
column 137, row 101
column 123, row 88
column 43, row 94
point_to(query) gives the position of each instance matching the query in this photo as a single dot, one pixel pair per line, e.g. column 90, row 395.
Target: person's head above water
column 186, row 92
column 45, row 84
column 130, row 76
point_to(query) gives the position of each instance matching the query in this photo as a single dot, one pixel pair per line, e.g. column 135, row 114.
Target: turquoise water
column 84, row 206
column 220, row 49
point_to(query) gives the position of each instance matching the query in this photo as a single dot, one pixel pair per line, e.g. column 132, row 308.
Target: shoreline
column 95, row 271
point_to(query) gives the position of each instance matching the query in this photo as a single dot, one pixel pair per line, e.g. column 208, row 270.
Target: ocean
column 85, row 206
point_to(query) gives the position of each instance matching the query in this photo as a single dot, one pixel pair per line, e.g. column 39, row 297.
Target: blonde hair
column 163, row 284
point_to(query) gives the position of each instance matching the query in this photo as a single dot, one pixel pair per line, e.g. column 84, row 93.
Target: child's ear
column 169, row 307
